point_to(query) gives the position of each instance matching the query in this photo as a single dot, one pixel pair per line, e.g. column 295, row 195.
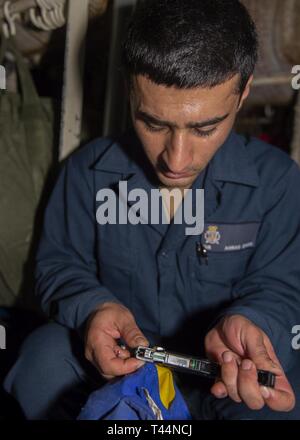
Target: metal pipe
column 20, row 6
column 273, row 80
column 77, row 24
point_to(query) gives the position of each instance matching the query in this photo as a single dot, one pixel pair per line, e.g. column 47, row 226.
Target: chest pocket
column 117, row 268
column 229, row 248
column 211, row 285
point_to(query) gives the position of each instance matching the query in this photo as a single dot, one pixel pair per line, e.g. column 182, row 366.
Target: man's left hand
column 242, row 348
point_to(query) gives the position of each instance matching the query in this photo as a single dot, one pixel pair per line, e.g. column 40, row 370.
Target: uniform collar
column 230, row 164
column 120, row 156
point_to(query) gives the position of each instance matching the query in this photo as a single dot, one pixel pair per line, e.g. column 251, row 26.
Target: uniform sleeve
column 269, row 294
column 67, row 279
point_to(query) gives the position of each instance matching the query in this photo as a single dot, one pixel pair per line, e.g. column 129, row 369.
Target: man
column 189, row 66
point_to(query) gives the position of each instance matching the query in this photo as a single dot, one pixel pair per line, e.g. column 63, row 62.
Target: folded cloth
column 148, row 394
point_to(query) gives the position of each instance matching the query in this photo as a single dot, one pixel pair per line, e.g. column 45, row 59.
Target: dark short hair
column 191, row 43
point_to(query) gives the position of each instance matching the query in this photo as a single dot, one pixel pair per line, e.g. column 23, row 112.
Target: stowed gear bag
column 26, row 151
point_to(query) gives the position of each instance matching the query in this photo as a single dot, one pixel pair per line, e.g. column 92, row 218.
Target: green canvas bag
column 26, row 154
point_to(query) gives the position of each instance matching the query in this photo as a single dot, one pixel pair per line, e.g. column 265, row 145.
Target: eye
column 204, row 133
column 154, row 128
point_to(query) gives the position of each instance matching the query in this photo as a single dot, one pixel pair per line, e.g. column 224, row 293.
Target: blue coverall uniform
column 252, row 233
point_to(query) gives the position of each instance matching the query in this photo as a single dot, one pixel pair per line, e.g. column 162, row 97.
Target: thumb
column 261, row 351
column 262, row 354
column 132, row 335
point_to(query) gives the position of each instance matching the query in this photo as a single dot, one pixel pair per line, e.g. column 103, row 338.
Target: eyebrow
column 146, row 117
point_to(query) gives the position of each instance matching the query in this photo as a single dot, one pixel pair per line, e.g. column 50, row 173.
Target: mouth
column 176, row 176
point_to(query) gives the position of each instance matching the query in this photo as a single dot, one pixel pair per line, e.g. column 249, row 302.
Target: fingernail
column 265, row 392
column 227, row 357
column 246, row 365
column 141, row 341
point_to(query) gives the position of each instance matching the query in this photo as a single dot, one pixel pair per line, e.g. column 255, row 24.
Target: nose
column 178, row 153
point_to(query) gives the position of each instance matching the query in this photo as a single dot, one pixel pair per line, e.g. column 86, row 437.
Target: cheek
column 152, row 143
column 208, row 148
column 152, row 149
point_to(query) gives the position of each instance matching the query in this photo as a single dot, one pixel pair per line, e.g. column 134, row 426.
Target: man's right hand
column 110, row 322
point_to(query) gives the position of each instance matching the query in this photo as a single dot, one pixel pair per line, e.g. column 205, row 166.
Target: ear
column 246, row 92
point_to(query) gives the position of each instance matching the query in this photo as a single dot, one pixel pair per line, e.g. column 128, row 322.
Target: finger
column 219, row 390
column 248, row 387
column 119, row 370
column 215, row 347
column 110, row 364
column 279, row 400
column 121, row 367
column 229, row 375
column 132, row 335
column 121, row 352
column 215, row 350
column 107, row 357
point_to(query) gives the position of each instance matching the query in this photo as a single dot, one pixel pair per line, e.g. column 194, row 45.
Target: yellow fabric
column 166, row 386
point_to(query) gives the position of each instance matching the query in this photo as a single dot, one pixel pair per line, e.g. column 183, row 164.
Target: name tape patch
column 230, row 237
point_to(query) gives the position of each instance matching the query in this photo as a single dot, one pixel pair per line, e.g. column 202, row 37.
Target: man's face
column 180, row 129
